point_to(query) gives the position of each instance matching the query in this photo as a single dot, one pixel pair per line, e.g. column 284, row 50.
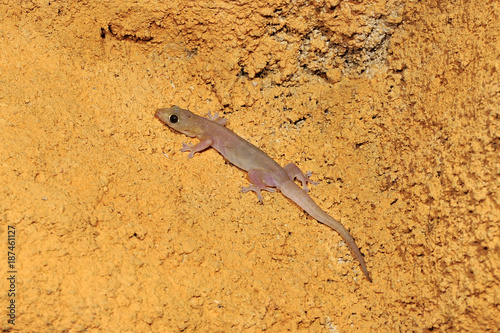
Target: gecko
column 264, row 173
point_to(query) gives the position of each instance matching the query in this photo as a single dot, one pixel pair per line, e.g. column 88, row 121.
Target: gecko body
column 263, row 172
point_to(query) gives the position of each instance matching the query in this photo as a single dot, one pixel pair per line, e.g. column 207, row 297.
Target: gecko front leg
column 219, row 120
column 205, row 142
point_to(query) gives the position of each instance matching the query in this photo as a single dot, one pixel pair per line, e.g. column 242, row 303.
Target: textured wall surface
column 394, row 105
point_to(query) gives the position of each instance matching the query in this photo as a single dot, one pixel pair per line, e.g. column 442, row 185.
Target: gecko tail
column 297, row 195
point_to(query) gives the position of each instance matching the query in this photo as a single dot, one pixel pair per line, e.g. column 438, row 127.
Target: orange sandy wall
column 393, row 105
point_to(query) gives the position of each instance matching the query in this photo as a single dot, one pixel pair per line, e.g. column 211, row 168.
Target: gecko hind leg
column 294, row 172
column 260, row 181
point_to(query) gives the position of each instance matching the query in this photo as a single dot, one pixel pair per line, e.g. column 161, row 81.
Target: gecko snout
column 157, row 113
column 161, row 115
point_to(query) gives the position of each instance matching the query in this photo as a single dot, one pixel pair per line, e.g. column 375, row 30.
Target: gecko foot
column 308, row 180
column 188, row 147
column 294, row 172
column 216, row 118
column 257, row 190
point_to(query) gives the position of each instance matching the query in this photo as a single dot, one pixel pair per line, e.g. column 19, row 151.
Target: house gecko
column 263, row 172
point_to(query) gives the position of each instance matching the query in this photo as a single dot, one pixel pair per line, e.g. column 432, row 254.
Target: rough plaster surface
column 393, row 105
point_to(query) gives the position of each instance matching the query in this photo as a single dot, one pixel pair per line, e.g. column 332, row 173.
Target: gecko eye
column 173, row 118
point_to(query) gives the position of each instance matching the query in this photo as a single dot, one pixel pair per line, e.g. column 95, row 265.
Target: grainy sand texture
column 394, row 105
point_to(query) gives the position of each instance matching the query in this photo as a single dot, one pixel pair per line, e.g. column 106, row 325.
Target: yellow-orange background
column 393, row 105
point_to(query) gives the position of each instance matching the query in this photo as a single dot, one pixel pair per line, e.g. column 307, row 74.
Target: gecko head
column 180, row 120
